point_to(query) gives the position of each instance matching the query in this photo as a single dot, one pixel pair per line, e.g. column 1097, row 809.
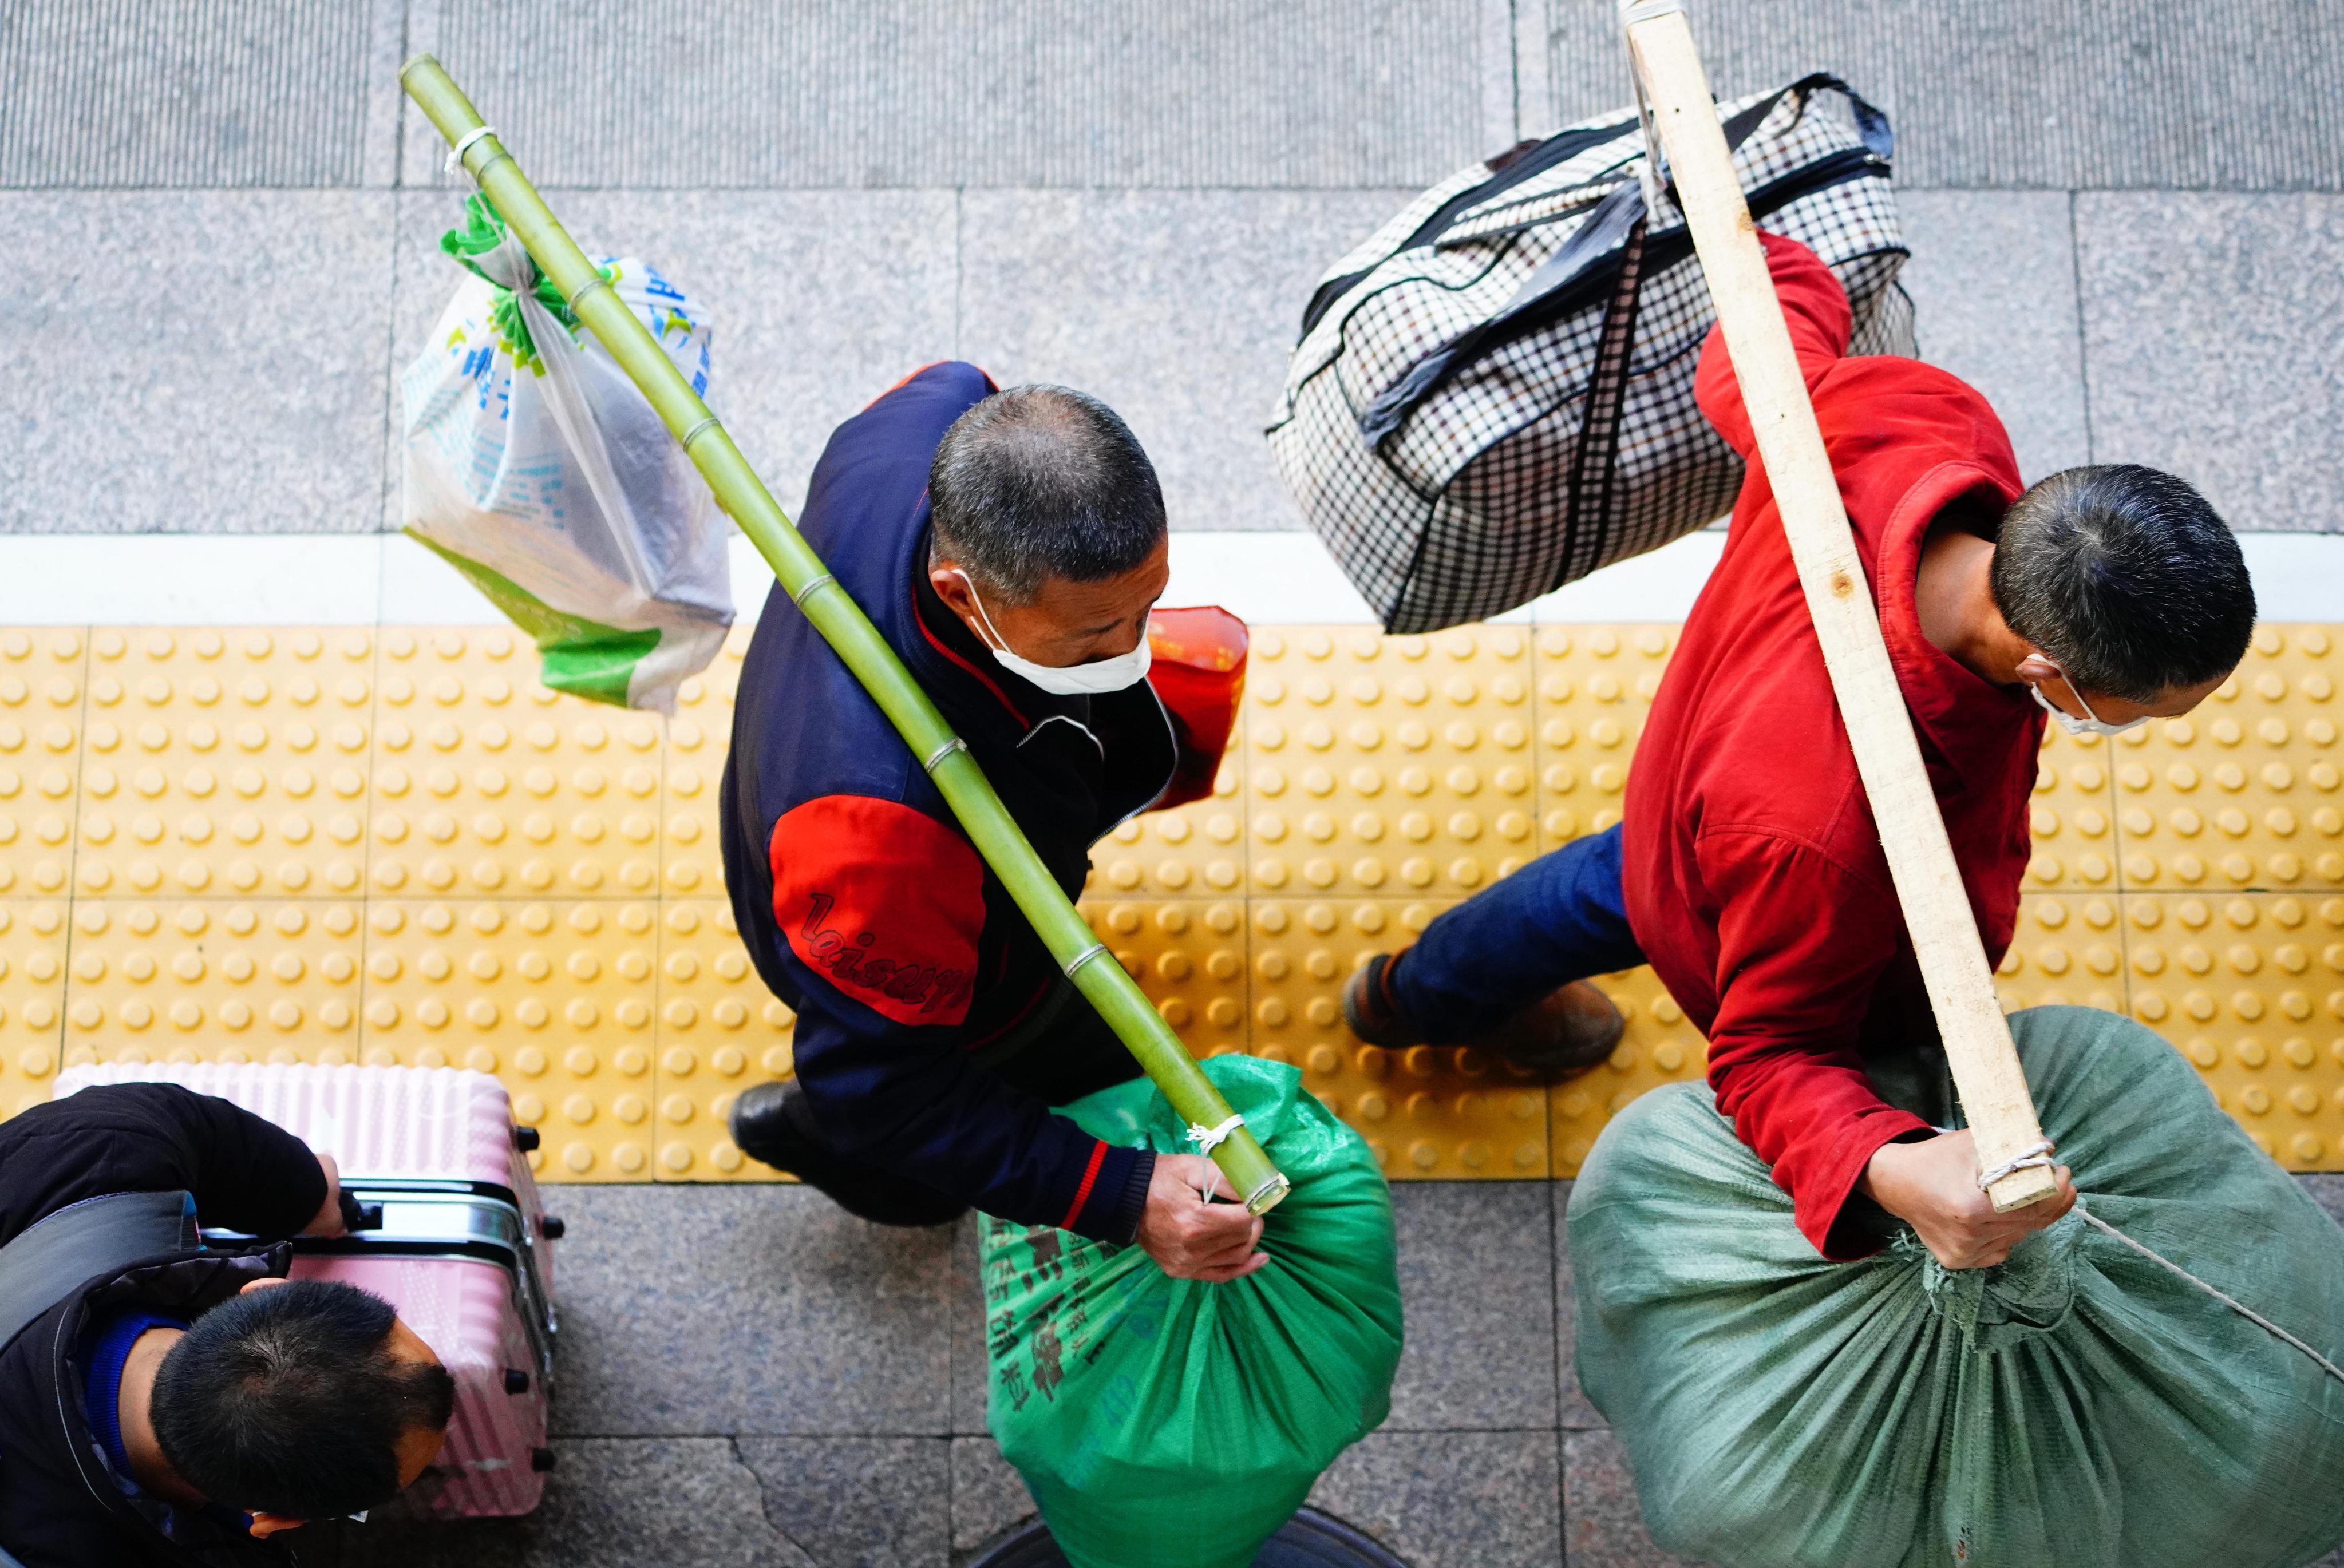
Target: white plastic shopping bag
column 537, row 469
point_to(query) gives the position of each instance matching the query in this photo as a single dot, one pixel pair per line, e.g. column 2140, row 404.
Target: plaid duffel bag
column 1494, row 395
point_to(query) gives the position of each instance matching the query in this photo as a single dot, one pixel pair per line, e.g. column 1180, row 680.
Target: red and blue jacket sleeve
column 881, row 908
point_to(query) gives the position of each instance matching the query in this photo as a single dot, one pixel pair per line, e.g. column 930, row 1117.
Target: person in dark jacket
column 185, row 1409
column 1009, row 545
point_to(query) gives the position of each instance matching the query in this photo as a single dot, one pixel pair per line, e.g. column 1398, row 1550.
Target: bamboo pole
column 1079, row 953
column 1928, row 883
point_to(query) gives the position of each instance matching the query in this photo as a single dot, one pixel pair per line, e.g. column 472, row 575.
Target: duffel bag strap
column 83, row 1240
column 1575, row 275
column 1585, row 260
column 1595, row 462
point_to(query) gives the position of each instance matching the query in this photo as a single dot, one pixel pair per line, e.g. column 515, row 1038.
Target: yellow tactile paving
column 720, row 1030
column 1198, row 850
column 1427, row 1111
column 33, row 941
column 1659, row 1047
column 2069, row 950
column 692, row 860
column 2243, row 794
column 485, row 784
column 212, row 980
column 1595, row 686
column 2073, row 817
column 338, row 844
column 555, row 996
column 41, row 706
column 1388, row 765
column 229, row 765
column 1189, row 956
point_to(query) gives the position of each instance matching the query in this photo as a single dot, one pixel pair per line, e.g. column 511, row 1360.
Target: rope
column 2035, row 1159
column 1208, row 1139
column 456, row 154
column 2039, row 1158
column 2252, row 1316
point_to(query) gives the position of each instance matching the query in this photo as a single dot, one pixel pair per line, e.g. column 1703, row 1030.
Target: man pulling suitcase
column 162, row 1403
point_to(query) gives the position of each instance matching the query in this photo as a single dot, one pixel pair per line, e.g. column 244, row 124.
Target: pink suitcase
column 453, row 1237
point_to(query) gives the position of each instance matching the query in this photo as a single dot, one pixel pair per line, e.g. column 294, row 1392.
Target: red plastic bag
column 1198, row 668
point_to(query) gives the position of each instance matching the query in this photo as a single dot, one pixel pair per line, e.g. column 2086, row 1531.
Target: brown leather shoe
column 1564, row 1033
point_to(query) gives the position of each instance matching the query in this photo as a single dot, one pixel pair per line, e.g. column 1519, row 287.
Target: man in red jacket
column 1748, row 869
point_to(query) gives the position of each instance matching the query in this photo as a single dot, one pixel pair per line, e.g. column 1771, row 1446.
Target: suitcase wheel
column 541, row 1459
column 516, row 1381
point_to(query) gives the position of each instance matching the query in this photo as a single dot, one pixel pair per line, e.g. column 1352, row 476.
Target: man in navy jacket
column 1009, row 547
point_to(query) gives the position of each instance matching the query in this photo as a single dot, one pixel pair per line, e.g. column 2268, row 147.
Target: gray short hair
column 1043, row 481
column 2126, row 577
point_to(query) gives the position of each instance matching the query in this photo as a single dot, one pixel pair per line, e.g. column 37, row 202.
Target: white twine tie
column 456, row 154
column 1208, row 1139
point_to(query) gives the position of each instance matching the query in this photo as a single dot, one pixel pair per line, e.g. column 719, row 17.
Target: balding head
column 1041, row 482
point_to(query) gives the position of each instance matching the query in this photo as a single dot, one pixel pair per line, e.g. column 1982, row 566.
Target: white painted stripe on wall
column 278, row 580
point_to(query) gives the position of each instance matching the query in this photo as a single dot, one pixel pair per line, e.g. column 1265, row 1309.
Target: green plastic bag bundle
column 1164, row 1423
column 2078, row 1407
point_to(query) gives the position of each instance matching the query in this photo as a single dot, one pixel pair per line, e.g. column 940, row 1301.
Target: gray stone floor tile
column 1477, row 1283
column 193, row 361
column 821, row 300
column 2328, row 1189
column 1601, row 1525
column 857, row 1503
column 744, row 92
column 128, row 94
column 1993, row 277
column 1178, row 308
column 970, row 1367
column 747, row 1310
column 2214, row 346
column 2138, row 94
column 680, row 1503
column 1452, row 1500
column 988, row 1498
column 1571, row 1399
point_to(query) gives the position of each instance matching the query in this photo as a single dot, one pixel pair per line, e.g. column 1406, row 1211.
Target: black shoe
column 771, row 1123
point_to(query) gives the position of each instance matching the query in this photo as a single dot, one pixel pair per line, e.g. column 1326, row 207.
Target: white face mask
column 2094, row 725
column 1093, row 679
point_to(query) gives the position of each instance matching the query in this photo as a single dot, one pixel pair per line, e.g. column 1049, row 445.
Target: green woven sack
column 2078, row 1407
column 1164, row 1424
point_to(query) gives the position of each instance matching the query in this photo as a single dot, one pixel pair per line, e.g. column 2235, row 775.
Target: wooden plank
column 1920, row 857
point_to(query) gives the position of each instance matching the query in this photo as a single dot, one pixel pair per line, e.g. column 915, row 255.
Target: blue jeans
column 1562, row 917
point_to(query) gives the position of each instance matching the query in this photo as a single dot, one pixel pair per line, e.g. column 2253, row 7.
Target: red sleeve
column 1801, row 941
column 1815, row 307
column 886, row 901
column 1198, row 668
